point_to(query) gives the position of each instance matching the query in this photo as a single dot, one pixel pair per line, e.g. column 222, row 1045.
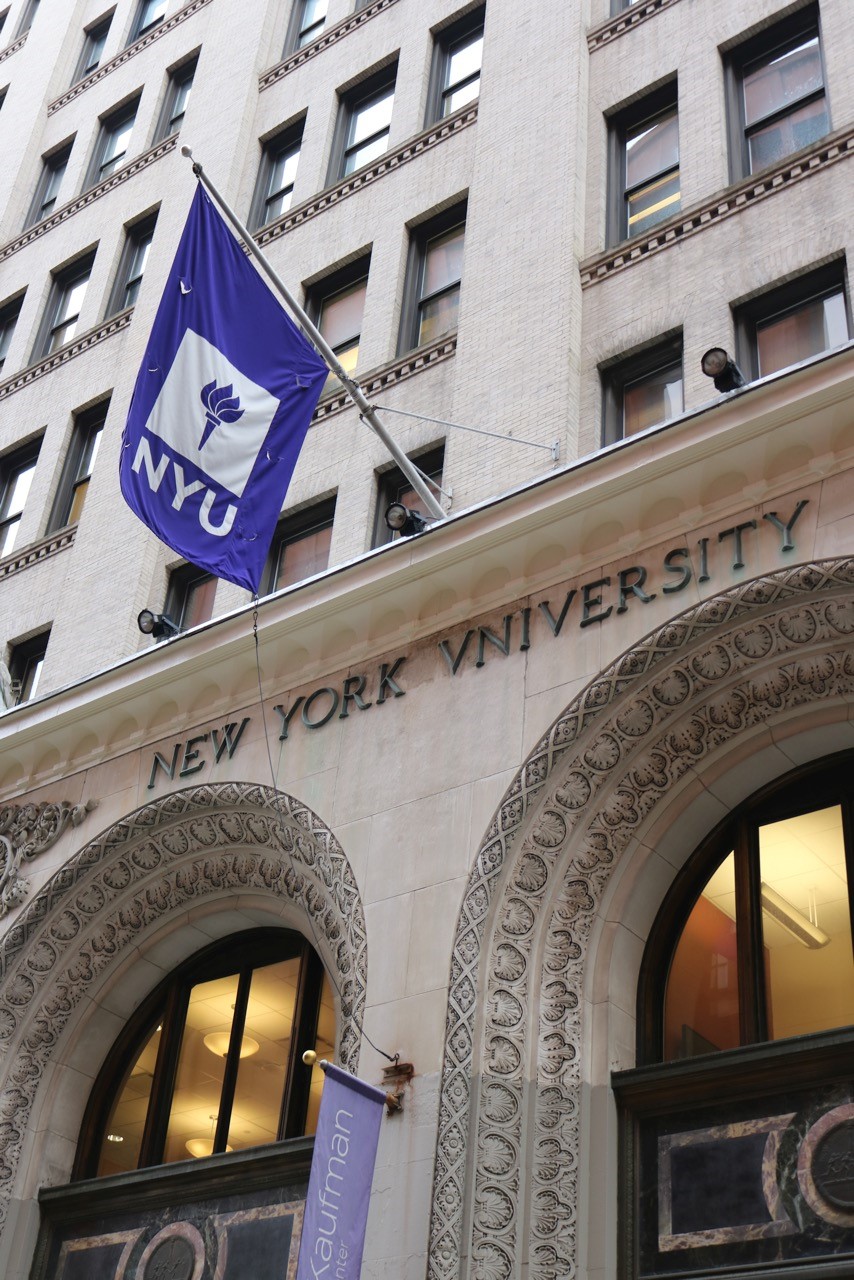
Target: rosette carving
column 26, row 830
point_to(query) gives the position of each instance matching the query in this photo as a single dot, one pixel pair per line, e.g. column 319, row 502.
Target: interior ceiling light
column 718, row 364
column 115, row 1137
column 401, row 520
column 200, row 1147
column 159, row 625
column 797, row 924
column 218, row 1042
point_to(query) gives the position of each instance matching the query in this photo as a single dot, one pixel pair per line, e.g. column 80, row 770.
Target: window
column 456, row 66
column 94, row 39
column 212, row 1060
column 799, row 320
column 434, row 274
column 27, row 18
column 190, row 598
column 644, row 165
column 77, row 472
column 63, row 310
column 16, row 477
column 113, row 141
column 776, row 94
column 642, row 390
column 148, row 16
column 9, row 313
column 745, row 1013
column 336, row 305
column 364, row 123
column 3, row 16
column 393, row 486
column 300, row 547
column 133, row 262
column 53, row 170
column 25, row 667
column 277, row 174
column 177, row 98
column 308, row 18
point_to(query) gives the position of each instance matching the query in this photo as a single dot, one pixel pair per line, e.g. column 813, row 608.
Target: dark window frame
column 419, row 241
column 291, row 529
column 393, row 486
column 93, row 36
column 54, row 163
column 63, row 280
column 178, row 78
column 455, row 33
column 750, row 53
column 12, row 465
column 140, row 27
column 109, row 126
column 369, row 90
column 79, row 462
column 788, row 298
column 325, row 289
column 296, row 29
column 10, row 310
column 138, row 233
column 618, row 374
column 182, row 579
column 27, row 18
column 25, row 661
column 242, row 953
column 284, row 143
column 644, row 112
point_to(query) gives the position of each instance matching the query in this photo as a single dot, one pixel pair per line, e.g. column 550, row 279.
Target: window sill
column 724, row 204
column 36, row 551
column 323, row 41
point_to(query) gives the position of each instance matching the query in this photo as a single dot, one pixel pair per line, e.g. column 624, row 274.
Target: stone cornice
column 89, row 197
column 332, row 36
column 832, row 148
column 14, row 47
column 90, row 338
column 625, row 21
column 41, row 550
column 389, row 375
column 126, row 54
column 424, row 141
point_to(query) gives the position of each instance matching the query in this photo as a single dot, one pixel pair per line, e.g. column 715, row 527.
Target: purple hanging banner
column 342, row 1169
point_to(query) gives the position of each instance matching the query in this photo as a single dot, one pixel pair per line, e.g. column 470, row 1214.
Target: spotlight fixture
column 401, row 520
column 159, row 625
column 717, row 364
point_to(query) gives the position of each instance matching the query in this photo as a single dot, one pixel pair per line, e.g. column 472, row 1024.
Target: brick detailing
column 14, row 47
column 88, row 197
column 420, row 143
column 835, row 146
column 169, row 24
column 71, row 349
column 624, row 21
column 389, row 375
column 42, row 550
column 332, row 36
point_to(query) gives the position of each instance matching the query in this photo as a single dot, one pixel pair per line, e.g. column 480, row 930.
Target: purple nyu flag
column 221, row 406
column 339, row 1188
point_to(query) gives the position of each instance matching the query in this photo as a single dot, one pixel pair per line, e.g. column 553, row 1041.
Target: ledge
column 389, row 375
column 169, row 24
column 36, row 551
column 835, row 146
column 14, row 47
column 625, row 21
column 71, row 349
column 89, row 197
column 416, row 146
column 332, row 36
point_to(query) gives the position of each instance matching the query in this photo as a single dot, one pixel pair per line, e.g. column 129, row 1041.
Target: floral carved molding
column 727, row 668
column 27, row 830
column 209, row 842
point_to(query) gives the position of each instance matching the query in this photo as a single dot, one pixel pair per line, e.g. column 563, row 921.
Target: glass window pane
column 265, row 1050
column 201, row 1065
column 806, row 924
column 443, row 263
column 341, row 314
column 654, row 398
column 123, row 1139
column 32, row 675
column 652, row 148
column 796, row 130
column 198, row 601
column 371, row 118
column 71, row 300
column 701, row 1001
column 303, row 557
column 815, row 327
column 784, row 79
column 464, row 61
column 324, row 1047
column 654, row 203
column 18, row 490
column 456, row 98
column 438, row 315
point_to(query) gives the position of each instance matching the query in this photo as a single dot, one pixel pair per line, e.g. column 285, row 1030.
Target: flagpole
column 352, row 388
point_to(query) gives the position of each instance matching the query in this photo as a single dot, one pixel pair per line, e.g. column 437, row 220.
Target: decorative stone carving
column 725, row 667
column 203, row 843
column 26, row 831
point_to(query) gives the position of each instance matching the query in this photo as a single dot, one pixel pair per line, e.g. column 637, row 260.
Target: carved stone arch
column 191, row 847
column 669, row 708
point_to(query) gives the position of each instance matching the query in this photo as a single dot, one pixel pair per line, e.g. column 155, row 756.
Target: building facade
column 541, row 818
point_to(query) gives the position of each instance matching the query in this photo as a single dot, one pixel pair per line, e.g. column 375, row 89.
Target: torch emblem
column 221, row 405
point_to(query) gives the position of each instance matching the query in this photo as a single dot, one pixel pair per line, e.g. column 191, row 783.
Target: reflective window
column 191, row 596
column 66, row 300
column 301, row 546
column 8, row 319
column 149, row 15
column 794, row 322
column 310, row 21
column 439, row 300
column 79, row 465
column 16, row 477
column 652, row 173
column 783, row 102
column 53, row 171
column 340, row 322
column 368, row 130
column 93, row 48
